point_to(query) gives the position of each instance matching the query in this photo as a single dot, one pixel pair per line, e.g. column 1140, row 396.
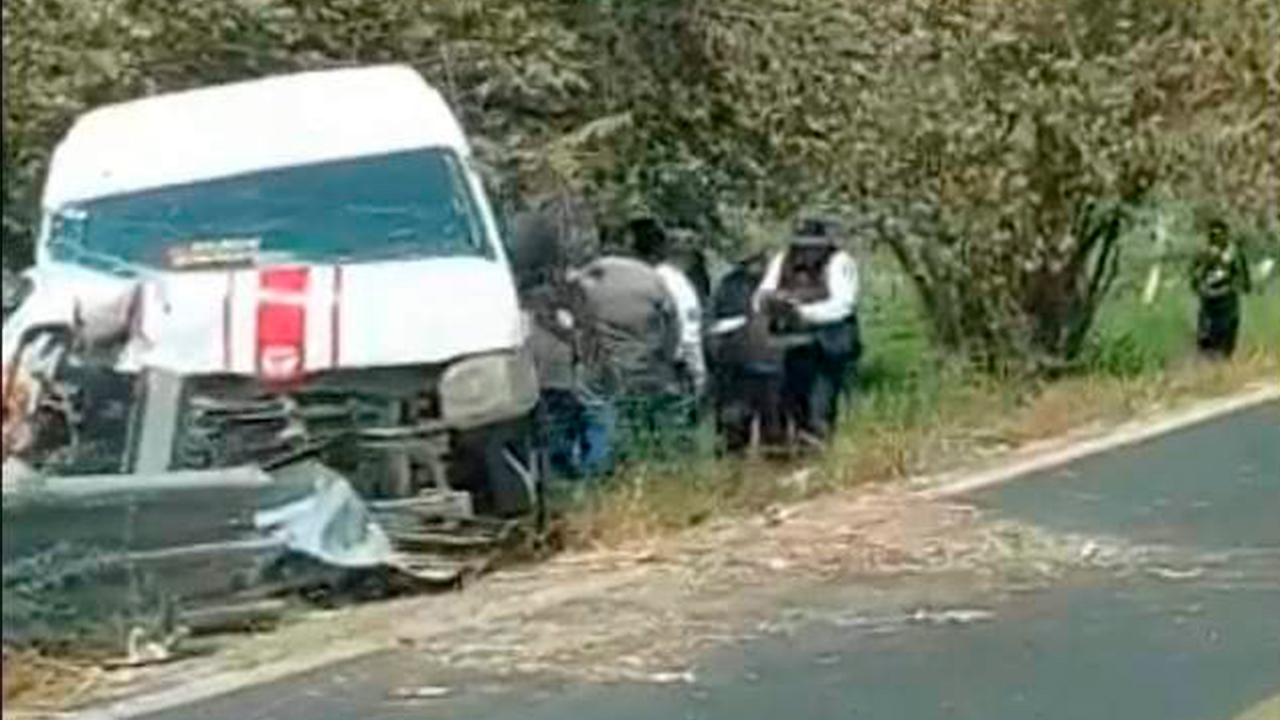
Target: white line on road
column 1038, row 457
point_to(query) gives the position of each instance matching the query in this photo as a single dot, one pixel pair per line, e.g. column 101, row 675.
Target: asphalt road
column 1197, row 643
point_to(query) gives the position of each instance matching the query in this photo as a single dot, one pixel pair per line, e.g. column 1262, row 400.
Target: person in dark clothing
column 811, row 291
column 1220, row 275
column 599, row 334
column 695, row 266
column 540, row 270
column 746, row 367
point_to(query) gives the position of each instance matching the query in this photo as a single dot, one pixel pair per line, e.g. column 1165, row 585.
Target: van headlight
column 488, row 388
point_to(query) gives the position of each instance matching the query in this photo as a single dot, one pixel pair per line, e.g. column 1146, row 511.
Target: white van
column 315, row 256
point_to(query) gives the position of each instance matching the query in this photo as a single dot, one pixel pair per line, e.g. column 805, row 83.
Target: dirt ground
column 642, row 613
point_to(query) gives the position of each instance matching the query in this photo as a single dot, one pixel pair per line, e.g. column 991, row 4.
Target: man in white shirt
column 689, row 312
column 811, row 289
column 652, row 246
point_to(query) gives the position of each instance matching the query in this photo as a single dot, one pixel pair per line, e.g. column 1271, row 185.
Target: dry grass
column 35, row 681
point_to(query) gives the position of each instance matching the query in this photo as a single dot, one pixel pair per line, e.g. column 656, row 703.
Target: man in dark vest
column 1220, row 275
column 812, row 288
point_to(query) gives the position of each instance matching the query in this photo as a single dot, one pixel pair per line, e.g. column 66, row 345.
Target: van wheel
column 503, row 470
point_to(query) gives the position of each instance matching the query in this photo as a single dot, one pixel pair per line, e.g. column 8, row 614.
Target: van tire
column 503, row 470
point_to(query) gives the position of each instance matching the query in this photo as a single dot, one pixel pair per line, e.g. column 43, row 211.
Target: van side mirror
column 16, row 289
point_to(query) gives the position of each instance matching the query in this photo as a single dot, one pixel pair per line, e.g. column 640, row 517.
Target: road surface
column 1197, row 639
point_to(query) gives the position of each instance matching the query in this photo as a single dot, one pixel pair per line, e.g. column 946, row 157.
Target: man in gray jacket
column 627, row 334
column 606, row 338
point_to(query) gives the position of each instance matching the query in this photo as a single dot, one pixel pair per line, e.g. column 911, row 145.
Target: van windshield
column 404, row 205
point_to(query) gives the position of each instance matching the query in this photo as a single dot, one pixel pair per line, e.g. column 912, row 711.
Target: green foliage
column 566, row 99
column 994, row 145
column 1026, row 134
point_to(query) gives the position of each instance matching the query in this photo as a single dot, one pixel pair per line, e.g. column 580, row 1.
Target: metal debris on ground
column 144, row 650
column 218, row 544
column 244, row 616
column 121, row 497
column 437, row 538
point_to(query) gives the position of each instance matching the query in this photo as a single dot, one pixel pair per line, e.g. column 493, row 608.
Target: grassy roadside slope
column 1269, row 710
column 916, row 413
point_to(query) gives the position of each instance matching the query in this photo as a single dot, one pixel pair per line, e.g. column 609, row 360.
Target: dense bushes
column 993, row 144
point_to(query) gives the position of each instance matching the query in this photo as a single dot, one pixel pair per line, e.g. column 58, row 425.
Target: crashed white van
column 315, row 257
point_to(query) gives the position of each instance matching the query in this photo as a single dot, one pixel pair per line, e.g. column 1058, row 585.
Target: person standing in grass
column 626, row 333
column 540, row 266
column 746, row 366
column 1219, row 276
column 600, row 335
column 812, row 287
column 651, row 243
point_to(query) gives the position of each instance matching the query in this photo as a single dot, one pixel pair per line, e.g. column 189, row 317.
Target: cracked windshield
column 381, row 208
column 699, row 359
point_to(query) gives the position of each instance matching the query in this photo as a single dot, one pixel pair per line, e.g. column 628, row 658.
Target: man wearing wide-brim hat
column 811, row 291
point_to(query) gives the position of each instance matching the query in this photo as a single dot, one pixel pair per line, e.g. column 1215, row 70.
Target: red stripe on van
column 282, row 323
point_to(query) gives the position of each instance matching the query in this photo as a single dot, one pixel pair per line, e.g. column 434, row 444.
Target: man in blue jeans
column 627, row 336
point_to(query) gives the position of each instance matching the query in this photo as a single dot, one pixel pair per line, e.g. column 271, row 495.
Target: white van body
column 287, row 230
column 358, row 314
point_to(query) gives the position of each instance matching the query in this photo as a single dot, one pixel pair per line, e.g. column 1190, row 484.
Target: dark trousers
column 1219, row 325
column 815, row 383
column 744, row 397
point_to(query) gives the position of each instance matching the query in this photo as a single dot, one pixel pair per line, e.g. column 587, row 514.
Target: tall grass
column 1132, row 338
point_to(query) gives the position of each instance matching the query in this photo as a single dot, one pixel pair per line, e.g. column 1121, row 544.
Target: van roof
column 228, row 130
